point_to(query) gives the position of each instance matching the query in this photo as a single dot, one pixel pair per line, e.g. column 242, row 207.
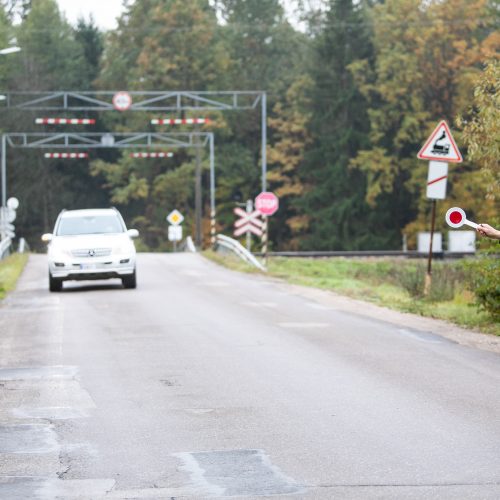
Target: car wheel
column 130, row 281
column 55, row 284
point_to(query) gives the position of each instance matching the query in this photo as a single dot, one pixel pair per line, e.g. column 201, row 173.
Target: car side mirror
column 47, row 237
column 133, row 233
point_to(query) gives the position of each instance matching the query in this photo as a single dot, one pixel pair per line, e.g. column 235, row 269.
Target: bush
column 446, row 279
column 483, row 279
column 412, row 279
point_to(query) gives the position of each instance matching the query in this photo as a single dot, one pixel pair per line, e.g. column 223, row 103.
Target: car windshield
column 101, row 224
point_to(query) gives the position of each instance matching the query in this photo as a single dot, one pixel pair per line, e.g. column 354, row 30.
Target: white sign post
column 174, row 233
column 440, row 149
column 175, row 218
column 436, row 180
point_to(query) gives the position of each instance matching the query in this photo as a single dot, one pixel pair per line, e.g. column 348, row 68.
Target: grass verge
column 10, row 269
column 390, row 282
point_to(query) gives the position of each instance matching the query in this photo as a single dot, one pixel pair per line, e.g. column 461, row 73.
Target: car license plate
column 87, row 266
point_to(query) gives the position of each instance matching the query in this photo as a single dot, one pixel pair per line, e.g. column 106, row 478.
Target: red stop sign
column 267, row 203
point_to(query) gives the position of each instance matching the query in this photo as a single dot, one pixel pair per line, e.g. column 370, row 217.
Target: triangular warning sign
column 441, row 146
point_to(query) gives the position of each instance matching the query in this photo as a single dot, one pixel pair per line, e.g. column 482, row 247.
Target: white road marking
column 303, row 325
column 269, row 305
column 421, row 337
column 216, row 283
column 64, row 372
column 50, row 413
column 192, row 272
column 319, row 307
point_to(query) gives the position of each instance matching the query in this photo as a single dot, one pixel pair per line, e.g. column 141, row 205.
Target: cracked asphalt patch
column 28, row 438
column 235, row 473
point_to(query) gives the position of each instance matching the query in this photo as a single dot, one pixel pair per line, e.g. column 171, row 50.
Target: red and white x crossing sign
column 249, row 222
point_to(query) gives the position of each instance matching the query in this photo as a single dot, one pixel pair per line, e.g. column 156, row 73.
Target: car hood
column 91, row 241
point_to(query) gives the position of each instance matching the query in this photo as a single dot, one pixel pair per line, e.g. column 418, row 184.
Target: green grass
column 390, row 282
column 10, row 270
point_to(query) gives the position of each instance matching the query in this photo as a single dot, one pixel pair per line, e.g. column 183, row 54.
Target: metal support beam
column 115, row 140
column 141, row 101
column 123, row 141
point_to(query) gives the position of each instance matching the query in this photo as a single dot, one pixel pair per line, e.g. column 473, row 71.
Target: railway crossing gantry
column 141, row 101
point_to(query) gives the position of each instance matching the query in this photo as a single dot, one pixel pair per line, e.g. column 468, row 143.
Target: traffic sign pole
column 264, row 238
column 440, row 148
column 249, row 209
column 428, row 276
column 267, row 204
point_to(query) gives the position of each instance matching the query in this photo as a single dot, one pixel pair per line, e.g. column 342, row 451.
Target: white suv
column 91, row 245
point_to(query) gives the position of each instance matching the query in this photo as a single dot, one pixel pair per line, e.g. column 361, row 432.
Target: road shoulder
column 448, row 330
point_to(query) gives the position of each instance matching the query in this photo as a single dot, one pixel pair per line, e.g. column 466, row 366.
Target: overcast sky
column 105, row 12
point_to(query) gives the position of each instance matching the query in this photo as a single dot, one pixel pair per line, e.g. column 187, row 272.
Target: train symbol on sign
column 440, row 147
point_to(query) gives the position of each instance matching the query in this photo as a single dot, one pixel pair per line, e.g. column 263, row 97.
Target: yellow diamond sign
column 175, row 217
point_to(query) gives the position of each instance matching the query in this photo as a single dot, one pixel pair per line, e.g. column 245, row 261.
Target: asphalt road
column 206, row 383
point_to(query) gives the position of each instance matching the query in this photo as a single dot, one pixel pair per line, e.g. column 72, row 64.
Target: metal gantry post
column 264, row 141
column 4, row 171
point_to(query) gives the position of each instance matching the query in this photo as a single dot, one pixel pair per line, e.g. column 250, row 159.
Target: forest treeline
column 353, row 89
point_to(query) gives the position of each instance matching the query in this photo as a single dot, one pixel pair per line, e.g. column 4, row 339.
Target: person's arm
column 490, row 232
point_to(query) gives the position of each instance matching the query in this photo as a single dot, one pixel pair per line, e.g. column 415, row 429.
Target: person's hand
column 488, row 231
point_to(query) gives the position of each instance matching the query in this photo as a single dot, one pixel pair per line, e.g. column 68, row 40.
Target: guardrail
column 5, row 247
column 239, row 250
column 413, row 254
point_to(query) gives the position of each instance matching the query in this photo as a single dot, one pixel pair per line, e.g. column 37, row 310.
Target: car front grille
column 91, row 252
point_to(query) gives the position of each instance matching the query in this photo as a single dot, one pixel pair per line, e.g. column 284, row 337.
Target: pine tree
column 335, row 205
column 91, row 40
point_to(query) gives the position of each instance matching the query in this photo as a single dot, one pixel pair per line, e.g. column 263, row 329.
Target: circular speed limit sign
column 122, row 101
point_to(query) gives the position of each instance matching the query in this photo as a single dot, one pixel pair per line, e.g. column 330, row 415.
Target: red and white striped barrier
column 156, row 154
column 66, row 155
column 65, row 121
column 179, row 121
